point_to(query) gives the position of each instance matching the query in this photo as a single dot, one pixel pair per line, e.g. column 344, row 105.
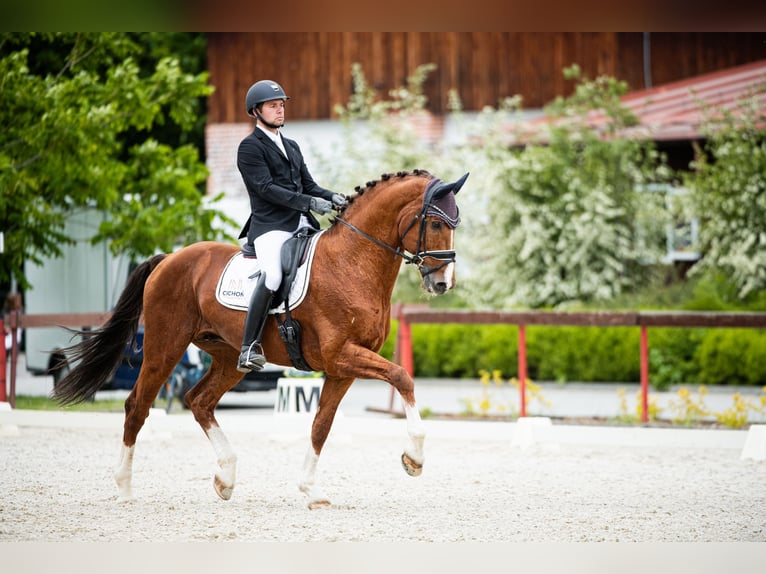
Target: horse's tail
column 100, row 351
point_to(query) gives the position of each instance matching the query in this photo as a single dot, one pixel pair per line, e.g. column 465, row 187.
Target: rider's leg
column 268, row 248
column 251, row 357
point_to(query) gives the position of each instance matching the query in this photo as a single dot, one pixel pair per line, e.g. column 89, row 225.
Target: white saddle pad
column 238, row 279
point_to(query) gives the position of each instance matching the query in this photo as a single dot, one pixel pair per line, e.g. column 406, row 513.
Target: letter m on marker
column 301, row 400
column 283, row 399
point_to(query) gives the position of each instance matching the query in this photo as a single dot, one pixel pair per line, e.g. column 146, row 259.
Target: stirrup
column 251, row 359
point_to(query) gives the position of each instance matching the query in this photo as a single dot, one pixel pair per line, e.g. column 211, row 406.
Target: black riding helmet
column 263, row 91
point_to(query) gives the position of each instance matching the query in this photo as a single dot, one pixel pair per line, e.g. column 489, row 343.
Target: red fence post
column 405, row 331
column 523, row 370
column 644, row 374
column 4, row 367
column 402, row 349
column 15, row 319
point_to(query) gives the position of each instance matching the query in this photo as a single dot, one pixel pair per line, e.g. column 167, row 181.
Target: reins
column 403, row 254
column 446, row 257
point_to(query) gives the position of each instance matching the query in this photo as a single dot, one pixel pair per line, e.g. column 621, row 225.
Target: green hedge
column 598, row 354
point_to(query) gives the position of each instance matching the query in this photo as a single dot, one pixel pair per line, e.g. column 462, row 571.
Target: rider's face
column 273, row 112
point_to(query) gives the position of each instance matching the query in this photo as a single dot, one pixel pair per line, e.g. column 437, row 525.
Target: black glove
column 320, row 205
column 339, row 200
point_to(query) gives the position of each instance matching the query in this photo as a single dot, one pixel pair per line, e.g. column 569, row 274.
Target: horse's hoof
column 221, row 489
column 410, row 466
column 317, row 504
column 125, row 492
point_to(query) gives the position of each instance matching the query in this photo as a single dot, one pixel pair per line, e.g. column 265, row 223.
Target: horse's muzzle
column 438, row 280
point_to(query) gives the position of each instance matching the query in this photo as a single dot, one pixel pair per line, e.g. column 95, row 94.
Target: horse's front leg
column 308, row 486
column 413, row 456
column 366, row 364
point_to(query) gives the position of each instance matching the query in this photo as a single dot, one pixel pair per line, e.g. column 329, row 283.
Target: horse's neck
column 380, row 219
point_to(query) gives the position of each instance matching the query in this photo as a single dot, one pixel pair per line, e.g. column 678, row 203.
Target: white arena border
column 525, row 433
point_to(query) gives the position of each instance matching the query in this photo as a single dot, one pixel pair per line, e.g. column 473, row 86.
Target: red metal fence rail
column 641, row 319
column 407, row 315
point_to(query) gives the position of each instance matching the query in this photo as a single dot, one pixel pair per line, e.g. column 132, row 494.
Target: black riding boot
column 252, row 358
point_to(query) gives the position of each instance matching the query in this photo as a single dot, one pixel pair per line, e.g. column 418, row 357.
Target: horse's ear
column 445, row 188
column 459, row 183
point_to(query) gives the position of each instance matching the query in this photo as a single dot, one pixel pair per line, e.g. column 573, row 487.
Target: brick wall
column 222, row 141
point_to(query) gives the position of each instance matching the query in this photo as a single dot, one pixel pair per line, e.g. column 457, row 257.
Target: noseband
column 441, row 208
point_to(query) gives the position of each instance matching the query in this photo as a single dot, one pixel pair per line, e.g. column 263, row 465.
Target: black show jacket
column 280, row 188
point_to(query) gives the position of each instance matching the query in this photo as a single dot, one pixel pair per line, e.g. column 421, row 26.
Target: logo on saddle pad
column 238, row 279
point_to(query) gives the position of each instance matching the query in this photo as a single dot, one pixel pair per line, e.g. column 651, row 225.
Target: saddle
column 294, row 252
column 293, row 255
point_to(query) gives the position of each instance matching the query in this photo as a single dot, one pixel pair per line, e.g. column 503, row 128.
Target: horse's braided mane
column 359, row 190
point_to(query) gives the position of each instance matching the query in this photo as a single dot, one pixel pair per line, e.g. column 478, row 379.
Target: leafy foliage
column 566, row 218
column 566, row 221
column 729, row 192
column 80, row 118
column 380, row 135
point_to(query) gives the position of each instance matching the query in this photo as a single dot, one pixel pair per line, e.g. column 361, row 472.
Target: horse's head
column 424, row 215
column 429, row 235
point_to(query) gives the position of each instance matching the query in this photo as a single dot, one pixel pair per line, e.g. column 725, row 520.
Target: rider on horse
column 281, row 192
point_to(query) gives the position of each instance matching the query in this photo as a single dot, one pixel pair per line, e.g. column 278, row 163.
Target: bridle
column 418, row 258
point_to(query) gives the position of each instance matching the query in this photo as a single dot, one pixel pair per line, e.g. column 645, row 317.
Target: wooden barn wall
column 315, row 67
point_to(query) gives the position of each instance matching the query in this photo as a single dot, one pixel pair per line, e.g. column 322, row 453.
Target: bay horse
column 345, row 319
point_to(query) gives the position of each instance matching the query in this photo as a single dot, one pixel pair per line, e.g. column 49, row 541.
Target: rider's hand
column 320, row 205
column 339, row 200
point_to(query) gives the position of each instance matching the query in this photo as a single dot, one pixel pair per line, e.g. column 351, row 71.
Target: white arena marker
column 755, row 443
column 296, row 395
column 155, row 428
column 533, row 431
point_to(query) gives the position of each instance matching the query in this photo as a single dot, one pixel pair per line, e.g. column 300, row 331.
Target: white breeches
column 268, row 249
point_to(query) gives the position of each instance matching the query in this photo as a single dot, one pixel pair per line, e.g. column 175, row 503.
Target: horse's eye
column 436, row 225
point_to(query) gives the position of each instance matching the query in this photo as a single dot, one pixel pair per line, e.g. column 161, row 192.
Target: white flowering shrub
column 543, row 225
column 729, row 193
column 567, row 221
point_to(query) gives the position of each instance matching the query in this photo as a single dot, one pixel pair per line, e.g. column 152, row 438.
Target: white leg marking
column 417, row 433
column 123, row 474
column 308, row 486
column 223, row 481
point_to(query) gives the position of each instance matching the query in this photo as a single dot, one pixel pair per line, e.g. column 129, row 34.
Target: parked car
column 186, row 373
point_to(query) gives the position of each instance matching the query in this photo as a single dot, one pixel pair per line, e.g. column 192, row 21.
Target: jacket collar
column 269, row 142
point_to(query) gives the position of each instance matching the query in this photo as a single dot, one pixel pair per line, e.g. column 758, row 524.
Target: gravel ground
column 641, row 485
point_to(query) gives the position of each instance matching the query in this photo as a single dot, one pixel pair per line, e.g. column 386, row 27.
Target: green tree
column 80, row 120
column 729, row 192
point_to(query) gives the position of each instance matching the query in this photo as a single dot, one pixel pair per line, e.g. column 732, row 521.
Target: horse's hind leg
column 333, row 391
column 202, row 400
column 159, row 359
